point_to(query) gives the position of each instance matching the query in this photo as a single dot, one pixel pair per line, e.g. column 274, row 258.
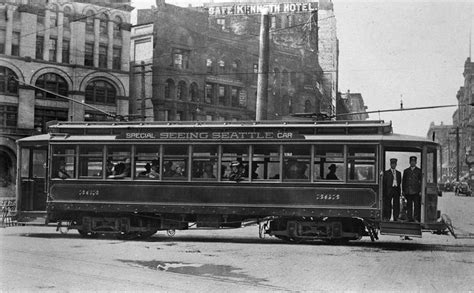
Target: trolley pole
column 263, row 67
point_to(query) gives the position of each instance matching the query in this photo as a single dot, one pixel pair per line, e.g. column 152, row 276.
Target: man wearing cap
column 236, row 172
column 392, row 180
column 411, row 190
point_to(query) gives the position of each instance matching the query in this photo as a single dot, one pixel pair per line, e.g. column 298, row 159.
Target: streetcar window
column 175, row 159
column 361, row 163
column 63, row 162
column 147, row 162
column 39, row 163
column 120, row 158
column 90, row 161
column 205, row 162
column 431, row 166
column 235, row 154
column 25, row 163
column 328, row 162
column 265, row 162
column 296, row 162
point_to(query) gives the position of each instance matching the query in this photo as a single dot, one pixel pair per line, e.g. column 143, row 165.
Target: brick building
column 205, row 60
column 445, row 136
column 464, row 118
column 75, row 49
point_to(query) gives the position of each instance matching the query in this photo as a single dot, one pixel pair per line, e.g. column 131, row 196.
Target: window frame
column 106, row 89
column 221, row 155
column 45, row 81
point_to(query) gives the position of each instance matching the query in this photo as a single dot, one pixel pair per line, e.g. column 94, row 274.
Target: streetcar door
column 32, row 177
column 401, row 226
column 429, row 200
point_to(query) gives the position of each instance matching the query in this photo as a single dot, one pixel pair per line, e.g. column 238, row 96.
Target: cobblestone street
column 39, row 258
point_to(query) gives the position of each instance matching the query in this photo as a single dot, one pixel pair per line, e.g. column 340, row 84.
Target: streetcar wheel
column 288, row 239
column 146, row 234
column 87, row 234
column 337, row 241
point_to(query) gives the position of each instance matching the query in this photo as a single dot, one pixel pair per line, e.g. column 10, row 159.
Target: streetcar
column 299, row 180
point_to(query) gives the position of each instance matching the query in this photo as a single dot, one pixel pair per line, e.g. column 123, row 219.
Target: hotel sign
column 296, row 7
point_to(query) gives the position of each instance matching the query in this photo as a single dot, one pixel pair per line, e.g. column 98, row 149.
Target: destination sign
column 296, row 7
column 210, row 135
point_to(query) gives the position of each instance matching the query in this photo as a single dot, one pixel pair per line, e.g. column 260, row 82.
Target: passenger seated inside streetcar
column 179, row 172
column 332, row 173
column 121, row 170
column 146, row 172
column 236, row 171
column 167, row 170
column 295, row 170
column 61, row 170
column 208, row 171
column 254, row 171
column 154, row 170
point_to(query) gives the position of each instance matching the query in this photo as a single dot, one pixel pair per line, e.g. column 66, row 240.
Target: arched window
column 51, row 82
column 181, row 91
column 90, row 21
column 8, row 83
column 236, row 68
column 221, row 66
column 293, row 78
column 16, row 16
column 276, row 76
column 53, row 16
column 104, row 22
column 67, row 17
column 169, row 89
column 101, row 92
column 209, row 66
column 117, row 29
column 193, row 92
column 285, row 105
column 285, row 78
column 308, row 107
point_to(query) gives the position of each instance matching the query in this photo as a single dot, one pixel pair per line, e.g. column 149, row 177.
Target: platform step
column 31, row 218
column 400, row 228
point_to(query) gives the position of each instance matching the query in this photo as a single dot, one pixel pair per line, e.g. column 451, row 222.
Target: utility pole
column 263, row 67
column 143, row 92
column 457, row 153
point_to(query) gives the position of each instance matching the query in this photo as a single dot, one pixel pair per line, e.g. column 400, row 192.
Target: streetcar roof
column 35, row 138
column 321, row 138
column 220, row 124
column 297, row 127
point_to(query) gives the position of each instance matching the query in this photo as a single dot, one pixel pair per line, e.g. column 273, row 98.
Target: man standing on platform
column 392, row 180
column 411, row 190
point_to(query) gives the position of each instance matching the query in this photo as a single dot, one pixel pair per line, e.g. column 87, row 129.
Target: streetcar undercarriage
column 289, row 229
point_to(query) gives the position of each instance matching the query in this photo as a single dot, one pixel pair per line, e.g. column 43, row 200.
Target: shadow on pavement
column 377, row 246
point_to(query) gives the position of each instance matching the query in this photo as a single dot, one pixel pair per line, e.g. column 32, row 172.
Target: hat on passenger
column 235, row 163
column 393, row 160
column 332, row 167
column 413, row 158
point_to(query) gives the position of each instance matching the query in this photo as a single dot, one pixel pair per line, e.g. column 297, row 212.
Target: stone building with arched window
column 205, row 61
column 79, row 50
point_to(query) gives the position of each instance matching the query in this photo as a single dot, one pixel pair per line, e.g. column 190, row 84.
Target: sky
column 409, row 50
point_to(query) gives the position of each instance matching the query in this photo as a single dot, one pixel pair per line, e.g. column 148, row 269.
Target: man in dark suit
column 392, row 180
column 411, row 190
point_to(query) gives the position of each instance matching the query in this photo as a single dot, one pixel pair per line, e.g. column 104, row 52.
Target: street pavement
column 40, row 259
